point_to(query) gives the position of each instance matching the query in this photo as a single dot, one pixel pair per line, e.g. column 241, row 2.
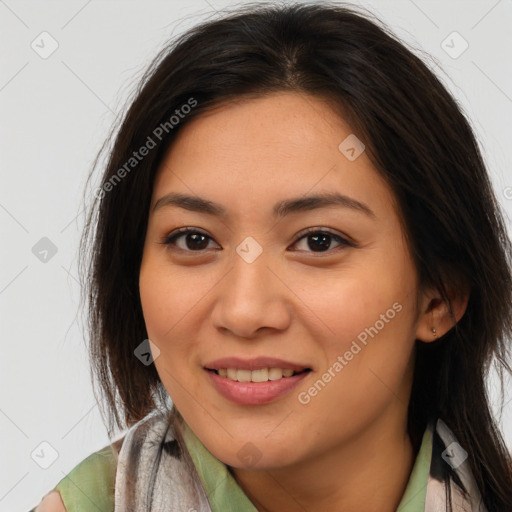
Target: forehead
column 257, row 151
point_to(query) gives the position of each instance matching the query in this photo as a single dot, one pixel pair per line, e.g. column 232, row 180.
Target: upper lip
column 254, row 364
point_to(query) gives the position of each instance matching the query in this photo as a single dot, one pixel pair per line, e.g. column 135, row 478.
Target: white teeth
column 275, row 373
column 261, row 375
column 243, row 376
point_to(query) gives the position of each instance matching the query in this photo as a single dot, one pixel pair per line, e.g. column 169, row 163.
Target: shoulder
column 52, row 502
column 94, row 476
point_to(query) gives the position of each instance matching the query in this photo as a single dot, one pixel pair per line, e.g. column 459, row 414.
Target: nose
column 252, row 298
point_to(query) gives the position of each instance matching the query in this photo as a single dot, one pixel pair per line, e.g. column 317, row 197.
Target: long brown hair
column 418, row 139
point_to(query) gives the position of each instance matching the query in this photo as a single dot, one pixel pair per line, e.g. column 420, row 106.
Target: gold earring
column 434, row 332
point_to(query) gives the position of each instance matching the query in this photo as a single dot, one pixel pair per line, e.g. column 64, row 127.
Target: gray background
column 56, row 111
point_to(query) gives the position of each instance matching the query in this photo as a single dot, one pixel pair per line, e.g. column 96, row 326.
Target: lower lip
column 254, row 393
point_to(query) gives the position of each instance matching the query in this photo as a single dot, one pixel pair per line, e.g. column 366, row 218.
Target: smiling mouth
column 259, row 375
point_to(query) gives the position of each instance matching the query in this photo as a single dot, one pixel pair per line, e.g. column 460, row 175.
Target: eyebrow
column 281, row 208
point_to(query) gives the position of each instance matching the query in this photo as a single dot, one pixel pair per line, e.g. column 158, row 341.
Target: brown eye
column 194, row 240
column 321, row 241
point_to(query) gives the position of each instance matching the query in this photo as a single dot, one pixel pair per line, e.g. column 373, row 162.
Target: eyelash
column 170, row 239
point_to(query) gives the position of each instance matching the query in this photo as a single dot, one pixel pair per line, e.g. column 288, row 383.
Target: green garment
column 89, row 487
column 225, row 495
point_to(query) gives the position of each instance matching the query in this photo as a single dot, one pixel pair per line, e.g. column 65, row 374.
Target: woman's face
column 250, row 284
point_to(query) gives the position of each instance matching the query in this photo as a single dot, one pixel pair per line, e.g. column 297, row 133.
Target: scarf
column 155, row 471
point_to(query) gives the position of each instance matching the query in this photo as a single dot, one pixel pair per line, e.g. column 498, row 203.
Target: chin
column 255, row 452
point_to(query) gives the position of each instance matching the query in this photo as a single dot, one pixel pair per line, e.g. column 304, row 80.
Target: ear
column 435, row 318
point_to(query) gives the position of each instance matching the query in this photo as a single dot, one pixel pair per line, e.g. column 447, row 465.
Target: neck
column 369, row 472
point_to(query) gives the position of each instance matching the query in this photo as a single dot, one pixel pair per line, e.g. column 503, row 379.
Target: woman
column 296, row 240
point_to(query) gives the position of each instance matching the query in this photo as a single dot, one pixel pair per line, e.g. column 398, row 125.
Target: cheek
column 162, row 309
column 169, row 304
column 360, row 305
column 368, row 337
column 364, row 374
column 155, row 301
column 165, row 296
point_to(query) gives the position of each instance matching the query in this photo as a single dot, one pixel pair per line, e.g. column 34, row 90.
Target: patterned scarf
column 155, row 472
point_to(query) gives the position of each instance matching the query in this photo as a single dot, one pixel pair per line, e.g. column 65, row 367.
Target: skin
column 348, row 448
column 52, row 502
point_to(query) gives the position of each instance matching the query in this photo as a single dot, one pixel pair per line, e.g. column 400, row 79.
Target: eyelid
column 343, row 239
column 173, row 235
